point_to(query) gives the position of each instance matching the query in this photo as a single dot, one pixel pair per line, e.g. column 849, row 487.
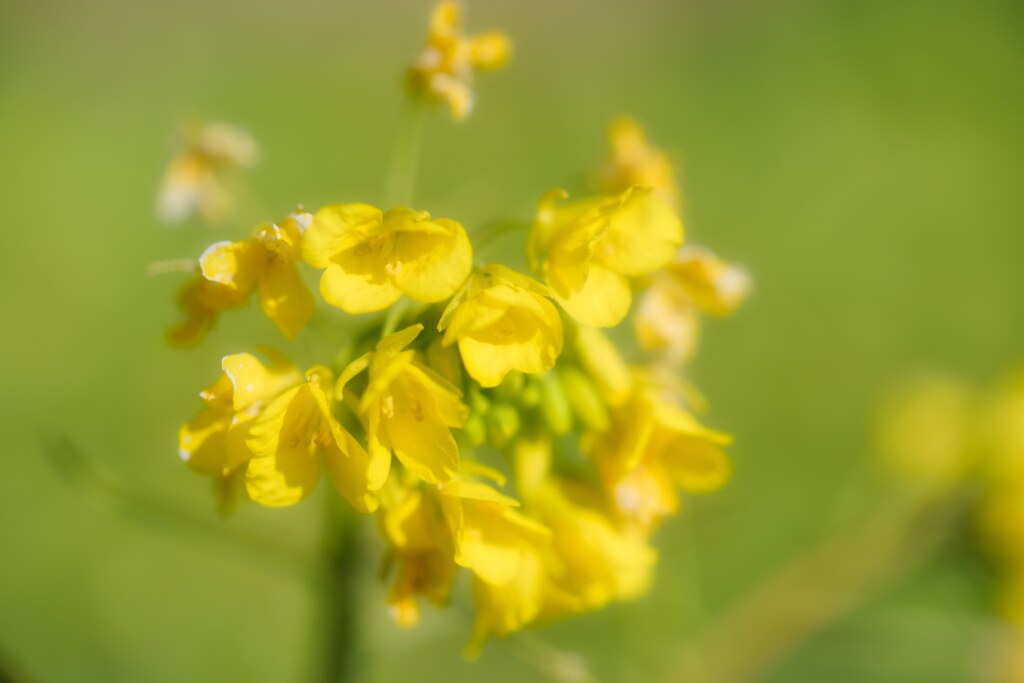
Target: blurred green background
column 864, row 159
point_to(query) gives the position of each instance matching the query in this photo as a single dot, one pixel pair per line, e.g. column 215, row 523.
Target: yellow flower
column 408, row 409
column 654, row 446
column 588, row 249
column 420, row 545
column 502, row 322
column 635, row 162
column 195, row 181
column 201, row 302
column 504, row 550
column 444, row 71
column 696, row 281
column 293, row 434
column 595, row 561
column 266, row 263
column 372, row 258
column 213, row 442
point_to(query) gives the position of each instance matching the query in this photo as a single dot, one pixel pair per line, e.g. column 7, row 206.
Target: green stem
column 338, row 607
column 401, row 181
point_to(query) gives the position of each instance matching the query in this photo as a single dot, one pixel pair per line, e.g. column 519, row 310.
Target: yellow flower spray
column 452, row 363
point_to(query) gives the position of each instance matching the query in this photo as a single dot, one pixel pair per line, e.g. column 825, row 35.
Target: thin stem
column 338, row 607
column 817, row 589
column 401, row 182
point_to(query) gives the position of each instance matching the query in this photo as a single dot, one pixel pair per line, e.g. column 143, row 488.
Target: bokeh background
column 863, row 158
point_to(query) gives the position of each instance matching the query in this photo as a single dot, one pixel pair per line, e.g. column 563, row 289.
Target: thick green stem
column 338, row 607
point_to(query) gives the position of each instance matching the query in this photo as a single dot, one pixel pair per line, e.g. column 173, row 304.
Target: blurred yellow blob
column 371, row 258
column 444, row 71
column 926, row 432
column 588, row 249
column 197, row 179
column 502, row 321
column 633, row 161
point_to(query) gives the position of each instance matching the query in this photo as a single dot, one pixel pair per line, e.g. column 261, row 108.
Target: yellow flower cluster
column 470, row 362
column 443, row 73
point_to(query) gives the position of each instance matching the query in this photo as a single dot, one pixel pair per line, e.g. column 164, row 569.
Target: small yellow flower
column 504, row 549
column 443, row 73
column 195, row 181
column 201, row 302
column 371, row 258
column 213, row 442
column 502, row 322
column 420, row 545
column 696, row 281
column 268, row 264
column 635, row 162
column 588, row 249
column 655, row 445
column 291, row 437
column 408, row 409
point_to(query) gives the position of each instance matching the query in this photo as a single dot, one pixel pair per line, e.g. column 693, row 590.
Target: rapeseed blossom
column 588, row 249
column 502, row 322
column 197, row 180
column 371, row 258
column 444, row 71
column 441, row 365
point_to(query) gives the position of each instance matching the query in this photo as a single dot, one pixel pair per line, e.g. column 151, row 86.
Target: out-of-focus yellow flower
column 444, row 71
column 371, row 258
column 201, row 302
column 635, row 162
column 408, row 409
column 594, row 561
column 502, row 322
column 291, row 437
column 696, row 281
column 504, row 550
column 266, row 263
column 213, row 442
column 926, row 433
column 195, row 180
column 1002, row 424
column 653, row 446
column 588, row 249
column 420, row 545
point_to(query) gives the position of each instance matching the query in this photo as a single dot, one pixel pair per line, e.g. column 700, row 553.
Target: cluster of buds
column 485, row 416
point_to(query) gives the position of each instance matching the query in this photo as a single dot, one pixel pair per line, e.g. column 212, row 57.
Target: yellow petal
column 335, row 229
column 201, row 441
column 286, row 464
column 431, row 267
column 642, row 236
column 360, row 291
column 490, row 50
column 285, row 298
column 237, row 265
column 602, row 302
column 253, row 382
